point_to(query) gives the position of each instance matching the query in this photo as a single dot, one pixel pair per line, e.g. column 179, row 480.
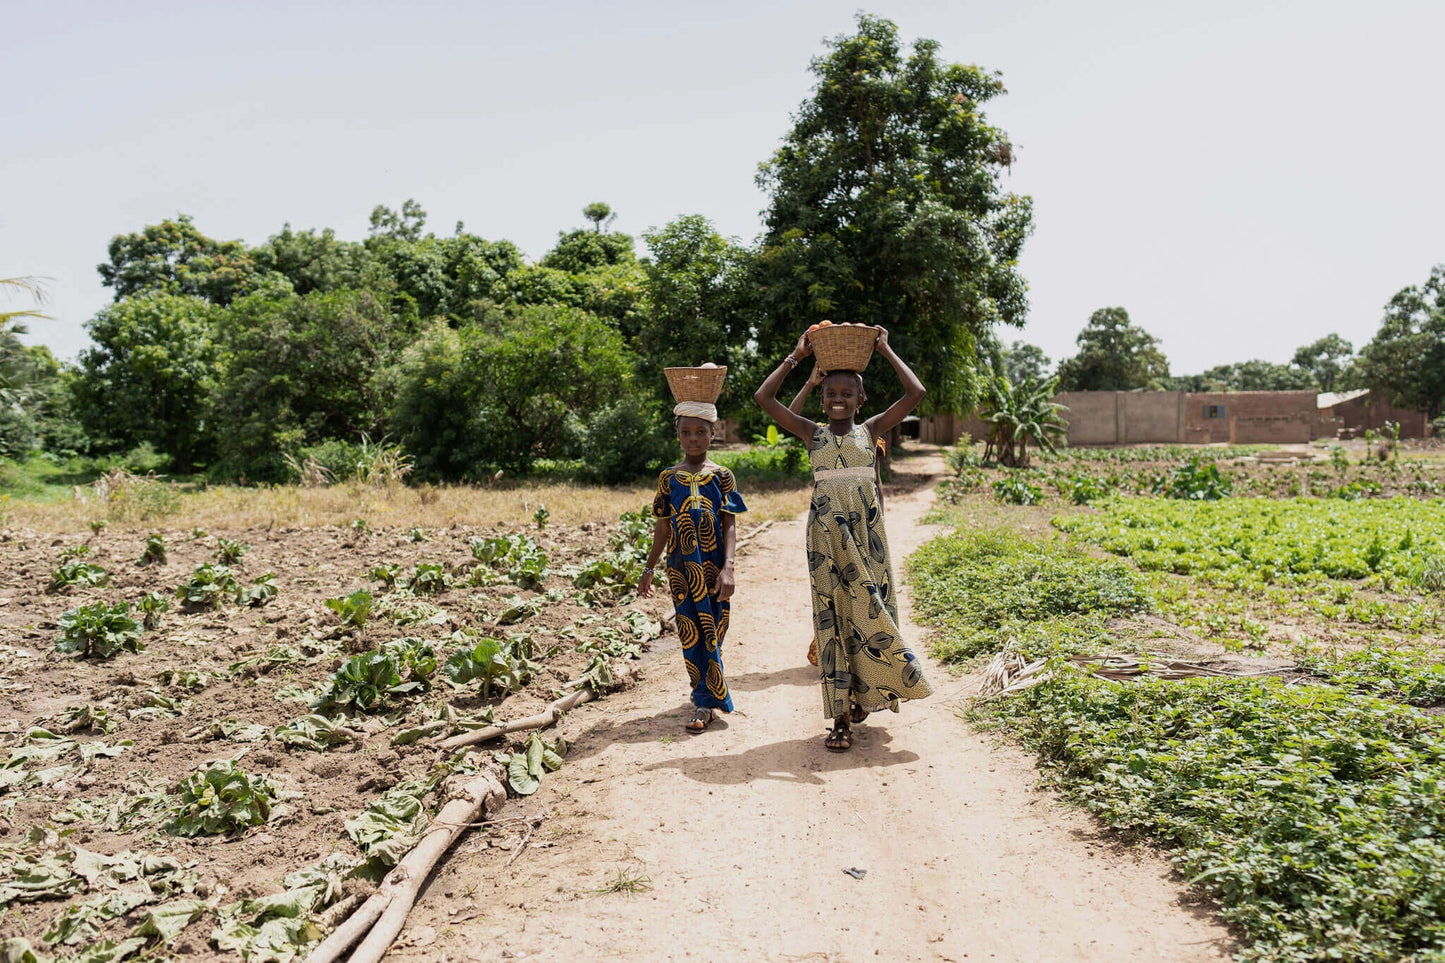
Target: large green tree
column 1326, row 359
column 151, row 375
column 1025, row 363
column 299, row 371
column 1405, row 362
column 1114, row 355
column 696, row 307
column 887, row 207
column 510, row 389
column 173, row 257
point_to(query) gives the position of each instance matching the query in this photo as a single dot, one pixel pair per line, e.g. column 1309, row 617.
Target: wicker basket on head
column 843, row 347
column 696, row 384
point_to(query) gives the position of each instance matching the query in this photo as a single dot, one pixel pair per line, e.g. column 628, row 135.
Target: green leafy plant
column 209, row 586
column 427, row 578
column 517, row 555
column 221, row 799
column 154, row 552
column 229, row 552
column 384, row 573
column 1195, row 480
column 258, row 593
column 366, row 682
column 526, row 768
column 497, row 663
column 78, row 572
column 99, row 630
column 540, row 517
column 151, row 605
column 1016, row 490
column 418, row 534
column 353, row 609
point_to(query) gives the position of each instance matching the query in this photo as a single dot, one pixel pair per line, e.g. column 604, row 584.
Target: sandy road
column 743, row 832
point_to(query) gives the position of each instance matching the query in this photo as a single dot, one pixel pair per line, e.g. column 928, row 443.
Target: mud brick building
column 1202, row 418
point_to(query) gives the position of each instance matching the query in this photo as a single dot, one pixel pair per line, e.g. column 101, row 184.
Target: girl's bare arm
column 913, row 390
column 814, row 379
column 660, row 533
column 723, row 588
column 767, row 395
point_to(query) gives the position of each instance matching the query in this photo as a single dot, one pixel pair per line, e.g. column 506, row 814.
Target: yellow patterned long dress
column 861, row 656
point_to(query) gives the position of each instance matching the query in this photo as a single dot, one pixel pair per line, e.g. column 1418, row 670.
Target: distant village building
column 1349, row 414
column 1203, row 418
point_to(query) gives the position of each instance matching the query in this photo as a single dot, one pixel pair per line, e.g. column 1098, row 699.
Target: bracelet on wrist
column 790, row 361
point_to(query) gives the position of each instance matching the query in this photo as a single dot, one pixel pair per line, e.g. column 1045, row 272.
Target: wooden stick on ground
column 382, row 916
column 546, row 717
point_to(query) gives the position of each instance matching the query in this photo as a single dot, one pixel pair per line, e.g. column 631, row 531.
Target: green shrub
column 78, row 572
column 229, row 552
column 258, row 593
column 367, row 681
column 151, row 605
column 1014, row 489
column 625, row 441
column 209, row 587
column 222, row 799
column 353, row 609
column 1196, row 480
column 99, row 630
column 499, row 663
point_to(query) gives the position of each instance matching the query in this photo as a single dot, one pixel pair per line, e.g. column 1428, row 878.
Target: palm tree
column 1020, row 414
column 17, row 386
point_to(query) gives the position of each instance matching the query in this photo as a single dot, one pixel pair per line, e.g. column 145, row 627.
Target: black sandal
column 841, row 738
column 857, row 714
column 701, row 719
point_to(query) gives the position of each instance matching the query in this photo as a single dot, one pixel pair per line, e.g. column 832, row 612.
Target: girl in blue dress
column 696, row 507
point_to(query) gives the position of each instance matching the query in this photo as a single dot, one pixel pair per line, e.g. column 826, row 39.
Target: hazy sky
column 1243, row 177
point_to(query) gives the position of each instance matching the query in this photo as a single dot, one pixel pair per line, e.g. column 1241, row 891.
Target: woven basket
column 844, row 347
column 696, row 384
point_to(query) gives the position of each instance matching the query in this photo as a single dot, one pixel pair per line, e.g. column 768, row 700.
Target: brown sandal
column 813, row 652
column 857, row 714
column 701, row 719
column 840, row 739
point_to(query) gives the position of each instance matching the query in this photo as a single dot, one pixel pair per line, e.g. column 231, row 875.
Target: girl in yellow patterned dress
column 863, row 662
column 696, row 507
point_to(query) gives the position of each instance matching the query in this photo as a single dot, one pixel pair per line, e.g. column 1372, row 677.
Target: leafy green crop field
column 1309, row 811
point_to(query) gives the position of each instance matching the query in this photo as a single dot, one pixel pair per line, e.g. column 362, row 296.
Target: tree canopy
column 1114, row 355
column 886, row 207
column 1405, row 362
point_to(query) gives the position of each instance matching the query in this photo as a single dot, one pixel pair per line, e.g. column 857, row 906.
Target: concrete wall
column 1252, row 417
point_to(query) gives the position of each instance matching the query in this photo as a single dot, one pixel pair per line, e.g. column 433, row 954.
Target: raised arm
column 767, row 394
column 913, row 390
column 814, row 379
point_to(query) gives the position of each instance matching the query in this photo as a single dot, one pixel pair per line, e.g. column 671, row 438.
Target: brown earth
column 655, row 844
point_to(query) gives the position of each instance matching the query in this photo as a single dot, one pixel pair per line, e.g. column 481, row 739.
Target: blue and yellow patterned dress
column 694, row 504
column 862, row 660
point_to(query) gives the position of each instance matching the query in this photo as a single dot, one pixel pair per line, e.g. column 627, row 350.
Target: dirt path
column 743, row 832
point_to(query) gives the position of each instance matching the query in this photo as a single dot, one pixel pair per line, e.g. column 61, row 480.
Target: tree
column 21, row 378
column 1026, row 363
column 1114, row 356
column 1325, row 359
column 695, row 308
column 299, row 371
column 151, row 374
column 578, row 251
column 387, row 224
column 172, row 257
column 886, row 208
column 1405, row 362
column 489, row 395
column 313, row 261
column 599, row 214
column 1019, row 413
